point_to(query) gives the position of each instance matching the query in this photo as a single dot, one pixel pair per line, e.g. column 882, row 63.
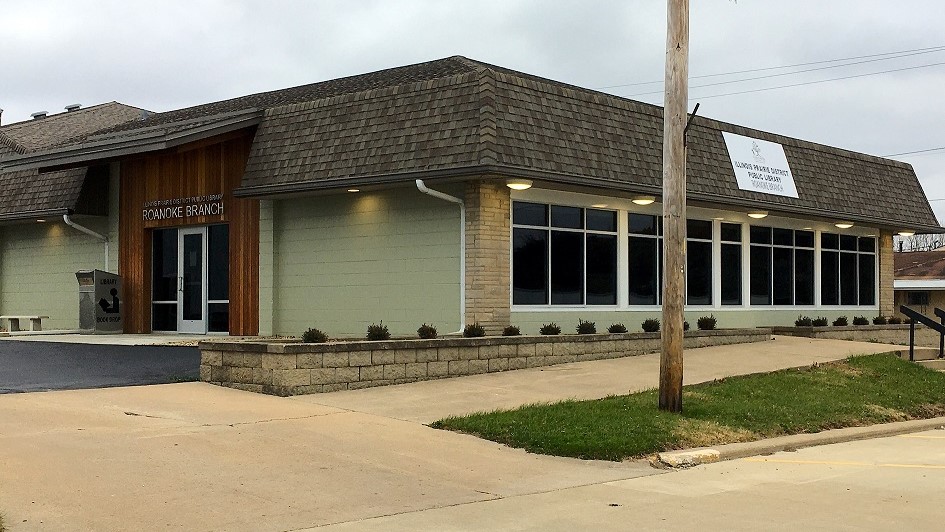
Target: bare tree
column 919, row 242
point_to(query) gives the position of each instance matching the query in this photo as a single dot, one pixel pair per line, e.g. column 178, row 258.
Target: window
column 848, row 270
column 698, row 262
column 563, row 255
column 645, row 259
column 731, row 264
column 782, row 266
column 918, row 298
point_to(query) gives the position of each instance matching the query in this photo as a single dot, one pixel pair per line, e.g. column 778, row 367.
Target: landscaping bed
column 859, row 391
column 284, row 367
column 883, row 334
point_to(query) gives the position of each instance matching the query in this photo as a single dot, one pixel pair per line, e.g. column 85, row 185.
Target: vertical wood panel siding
column 198, row 169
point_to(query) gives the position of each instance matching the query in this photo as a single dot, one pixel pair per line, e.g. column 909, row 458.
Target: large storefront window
column 563, row 255
column 731, row 263
column 645, row 259
column 698, row 262
column 847, row 270
column 782, row 266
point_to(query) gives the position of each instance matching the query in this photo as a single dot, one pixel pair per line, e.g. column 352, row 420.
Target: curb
column 732, row 451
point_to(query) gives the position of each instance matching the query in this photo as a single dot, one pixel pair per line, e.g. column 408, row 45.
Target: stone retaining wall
column 883, row 334
column 292, row 368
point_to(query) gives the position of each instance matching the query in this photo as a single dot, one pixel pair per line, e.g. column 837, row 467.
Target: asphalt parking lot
column 41, row 366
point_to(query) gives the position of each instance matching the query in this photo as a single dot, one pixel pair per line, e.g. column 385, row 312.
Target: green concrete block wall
column 530, row 322
column 341, row 262
column 38, row 262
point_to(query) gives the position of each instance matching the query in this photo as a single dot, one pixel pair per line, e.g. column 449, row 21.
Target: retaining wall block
column 498, row 364
column 335, row 360
column 395, row 371
column 379, row 358
column 371, row 373
column 322, row 375
column 309, row 360
column 427, row 354
column 478, row 366
column 274, row 361
column 405, row 356
column 211, row 358
column 459, row 367
column 416, row 370
column 291, row 377
column 438, row 369
column 359, row 358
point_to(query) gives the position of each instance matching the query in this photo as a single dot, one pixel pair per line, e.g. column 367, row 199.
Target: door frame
column 192, row 326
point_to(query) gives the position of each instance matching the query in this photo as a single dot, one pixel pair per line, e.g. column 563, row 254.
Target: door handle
column 180, row 283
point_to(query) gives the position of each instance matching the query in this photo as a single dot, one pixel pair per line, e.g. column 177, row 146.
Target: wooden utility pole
column 675, row 105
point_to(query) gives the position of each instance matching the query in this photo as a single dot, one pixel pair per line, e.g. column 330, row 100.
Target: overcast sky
column 172, row 54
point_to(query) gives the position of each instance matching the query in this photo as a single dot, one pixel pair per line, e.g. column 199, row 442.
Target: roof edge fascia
column 152, row 140
column 263, row 191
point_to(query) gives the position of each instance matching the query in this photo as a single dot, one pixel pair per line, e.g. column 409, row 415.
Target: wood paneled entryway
column 189, row 186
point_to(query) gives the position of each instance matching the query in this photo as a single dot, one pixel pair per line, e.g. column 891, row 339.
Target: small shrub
column 894, row 320
column 685, row 326
column 550, row 329
column 426, row 332
column 706, row 323
column 907, row 321
column 617, row 328
column 314, row 336
column 820, row 322
column 803, row 321
column 378, row 332
column 474, row 331
column 511, row 330
column 651, row 325
column 840, row 322
column 860, row 320
column 879, row 320
column 586, row 327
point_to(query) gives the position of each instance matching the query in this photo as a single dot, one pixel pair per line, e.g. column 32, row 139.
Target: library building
column 447, row 192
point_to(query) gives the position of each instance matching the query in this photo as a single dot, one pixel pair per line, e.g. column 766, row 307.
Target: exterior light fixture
column 40, row 220
column 643, row 200
column 906, row 233
column 599, row 205
column 518, row 184
column 757, row 215
column 844, row 225
column 354, row 190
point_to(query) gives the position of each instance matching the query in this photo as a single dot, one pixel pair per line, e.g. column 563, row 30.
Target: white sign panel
column 760, row 166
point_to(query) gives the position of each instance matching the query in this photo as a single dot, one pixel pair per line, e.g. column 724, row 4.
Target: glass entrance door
column 192, row 291
column 190, row 279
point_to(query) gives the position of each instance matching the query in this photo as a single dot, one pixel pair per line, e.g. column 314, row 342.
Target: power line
column 788, row 73
column 818, row 81
column 764, row 69
column 915, row 152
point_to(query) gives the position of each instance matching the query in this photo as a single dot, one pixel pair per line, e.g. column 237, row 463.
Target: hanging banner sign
column 760, row 166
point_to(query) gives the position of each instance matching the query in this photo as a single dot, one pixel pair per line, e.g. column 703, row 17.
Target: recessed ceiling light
column 42, row 221
column 354, row 190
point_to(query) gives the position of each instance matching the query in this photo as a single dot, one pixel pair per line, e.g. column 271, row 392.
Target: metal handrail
column 938, row 327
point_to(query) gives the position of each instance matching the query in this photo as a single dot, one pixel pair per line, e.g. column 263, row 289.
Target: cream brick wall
column 887, row 303
column 487, row 254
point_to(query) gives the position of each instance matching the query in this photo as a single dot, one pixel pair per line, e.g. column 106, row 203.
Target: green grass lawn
column 858, row 391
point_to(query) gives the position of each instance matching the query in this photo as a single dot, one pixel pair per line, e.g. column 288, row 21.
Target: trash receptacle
column 100, row 309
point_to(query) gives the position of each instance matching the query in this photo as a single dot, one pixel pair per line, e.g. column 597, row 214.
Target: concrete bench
column 36, row 322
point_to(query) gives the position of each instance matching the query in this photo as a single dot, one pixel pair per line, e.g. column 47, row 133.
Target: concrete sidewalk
column 197, row 457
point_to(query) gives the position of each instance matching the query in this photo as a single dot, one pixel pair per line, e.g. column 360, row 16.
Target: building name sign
column 180, row 208
column 760, row 166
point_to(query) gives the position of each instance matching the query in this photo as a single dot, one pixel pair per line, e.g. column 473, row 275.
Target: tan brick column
column 487, row 254
column 887, row 303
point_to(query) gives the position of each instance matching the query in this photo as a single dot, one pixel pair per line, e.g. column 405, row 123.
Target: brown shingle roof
column 28, row 193
column 920, row 265
column 483, row 118
column 63, row 128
